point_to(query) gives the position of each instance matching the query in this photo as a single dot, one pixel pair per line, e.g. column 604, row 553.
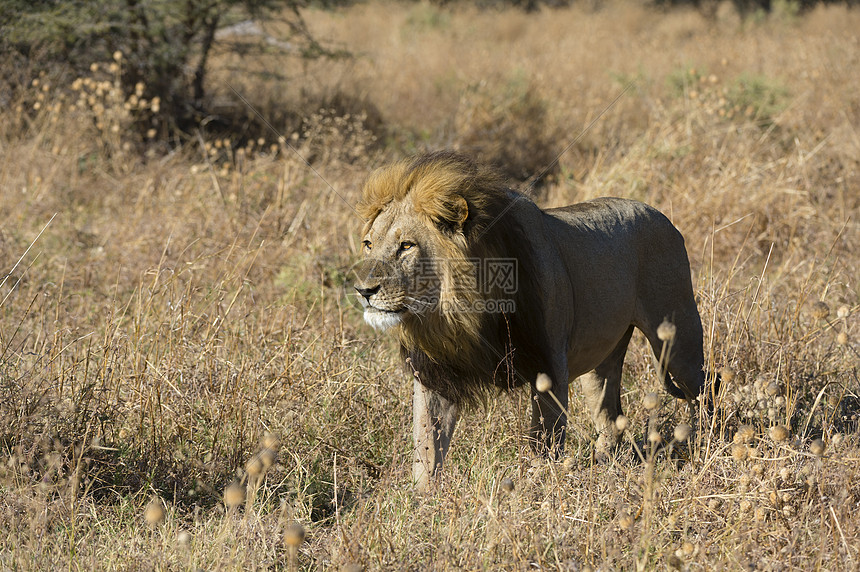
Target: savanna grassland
column 184, row 380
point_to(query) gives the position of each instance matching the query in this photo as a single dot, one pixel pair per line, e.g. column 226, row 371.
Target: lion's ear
column 460, row 208
column 449, row 213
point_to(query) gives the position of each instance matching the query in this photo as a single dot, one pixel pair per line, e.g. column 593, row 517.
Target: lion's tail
column 672, row 388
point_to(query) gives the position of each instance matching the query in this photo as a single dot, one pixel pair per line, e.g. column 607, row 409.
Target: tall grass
column 184, row 382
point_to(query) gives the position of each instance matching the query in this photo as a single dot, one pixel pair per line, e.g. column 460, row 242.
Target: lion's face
column 419, row 269
column 396, row 281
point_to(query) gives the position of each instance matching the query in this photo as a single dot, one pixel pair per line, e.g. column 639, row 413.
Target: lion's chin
column 381, row 319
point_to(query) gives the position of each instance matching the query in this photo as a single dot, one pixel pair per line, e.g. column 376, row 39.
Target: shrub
column 164, row 47
column 751, row 97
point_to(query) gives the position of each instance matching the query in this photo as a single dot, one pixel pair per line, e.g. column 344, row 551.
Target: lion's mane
column 460, row 354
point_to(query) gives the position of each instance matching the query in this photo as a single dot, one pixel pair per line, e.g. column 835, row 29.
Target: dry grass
column 179, row 311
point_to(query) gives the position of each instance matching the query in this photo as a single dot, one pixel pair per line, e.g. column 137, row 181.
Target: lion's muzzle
column 378, row 318
column 380, row 294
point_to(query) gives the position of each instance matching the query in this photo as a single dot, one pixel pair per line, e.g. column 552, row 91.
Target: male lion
column 485, row 289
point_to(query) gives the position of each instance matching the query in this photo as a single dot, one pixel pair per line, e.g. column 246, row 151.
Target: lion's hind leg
column 602, row 390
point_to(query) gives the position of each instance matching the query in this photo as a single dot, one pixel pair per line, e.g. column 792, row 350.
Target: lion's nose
column 367, row 292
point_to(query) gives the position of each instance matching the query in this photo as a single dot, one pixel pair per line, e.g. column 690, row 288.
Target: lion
column 486, row 290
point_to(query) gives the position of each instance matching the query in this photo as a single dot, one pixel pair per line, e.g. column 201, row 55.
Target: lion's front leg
column 549, row 420
column 433, row 421
column 603, row 399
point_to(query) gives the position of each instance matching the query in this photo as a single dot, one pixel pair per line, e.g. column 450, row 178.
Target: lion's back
column 614, row 216
column 626, row 231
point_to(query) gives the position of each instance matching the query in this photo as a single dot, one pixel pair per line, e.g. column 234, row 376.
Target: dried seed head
column 682, row 432
column 234, row 495
column 727, row 374
column 817, row 447
column 740, row 452
column 153, row 514
column 622, row 423
column 672, row 520
column 568, row 464
column 842, row 312
column 183, row 538
column 674, row 562
column 842, row 338
column 779, row 433
column 651, row 400
column 254, row 467
column 666, row 331
column 744, row 434
column 267, row 456
column 820, row 310
column 507, row 485
column 543, row 383
column 625, row 520
column 773, row 388
column 117, row 56
column 294, row 534
column 270, row 441
column 655, row 438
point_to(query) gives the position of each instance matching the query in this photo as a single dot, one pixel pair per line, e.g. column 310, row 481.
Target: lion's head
column 431, row 225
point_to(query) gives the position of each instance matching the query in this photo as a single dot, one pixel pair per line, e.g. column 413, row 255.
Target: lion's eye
column 404, row 246
column 367, row 244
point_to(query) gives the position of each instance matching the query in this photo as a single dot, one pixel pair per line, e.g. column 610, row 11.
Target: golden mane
column 436, row 183
column 464, row 205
